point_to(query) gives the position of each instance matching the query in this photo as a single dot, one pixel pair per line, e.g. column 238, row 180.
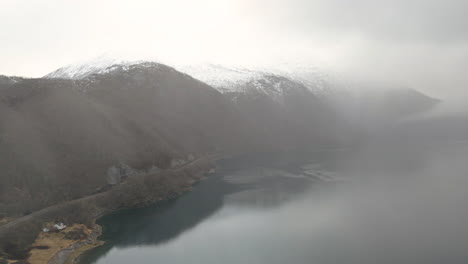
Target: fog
column 403, row 205
column 365, row 102
column 384, row 203
column 419, row 44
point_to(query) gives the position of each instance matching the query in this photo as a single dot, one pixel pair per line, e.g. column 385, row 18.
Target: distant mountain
column 384, row 105
column 231, row 79
column 289, row 108
column 222, row 78
column 279, row 111
column 361, row 103
column 226, row 79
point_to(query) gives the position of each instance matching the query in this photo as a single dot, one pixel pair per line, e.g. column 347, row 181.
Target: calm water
column 370, row 206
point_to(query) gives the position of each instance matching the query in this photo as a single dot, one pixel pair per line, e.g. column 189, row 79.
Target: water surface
column 369, row 206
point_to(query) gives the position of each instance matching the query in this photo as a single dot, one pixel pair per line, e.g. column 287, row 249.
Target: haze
column 233, row 131
column 420, row 44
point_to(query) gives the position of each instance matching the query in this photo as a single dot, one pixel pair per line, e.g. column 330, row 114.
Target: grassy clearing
column 55, row 242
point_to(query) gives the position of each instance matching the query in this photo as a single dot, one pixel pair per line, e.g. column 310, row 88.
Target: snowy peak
column 236, row 79
column 84, row 69
column 224, row 79
column 272, row 86
column 274, row 82
column 98, row 67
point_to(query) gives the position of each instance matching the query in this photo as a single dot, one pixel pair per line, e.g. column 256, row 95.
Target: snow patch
column 233, row 79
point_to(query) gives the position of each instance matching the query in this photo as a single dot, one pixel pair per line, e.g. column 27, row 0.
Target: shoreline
column 185, row 176
column 158, row 187
column 64, row 246
column 72, row 254
column 78, row 252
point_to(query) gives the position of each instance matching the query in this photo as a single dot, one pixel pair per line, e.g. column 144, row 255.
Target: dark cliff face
column 58, row 137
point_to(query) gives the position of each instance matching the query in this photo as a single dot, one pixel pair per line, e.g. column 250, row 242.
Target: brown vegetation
column 55, row 241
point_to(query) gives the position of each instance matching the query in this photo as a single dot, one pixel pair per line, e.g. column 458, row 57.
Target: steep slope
column 290, row 106
column 274, row 107
column 58, row 137
column 286, row 111
column 309, row 105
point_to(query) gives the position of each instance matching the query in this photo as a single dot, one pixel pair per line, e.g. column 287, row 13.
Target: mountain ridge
column 147, row 114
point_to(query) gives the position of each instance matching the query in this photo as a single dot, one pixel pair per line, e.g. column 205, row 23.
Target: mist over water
column 391, row 204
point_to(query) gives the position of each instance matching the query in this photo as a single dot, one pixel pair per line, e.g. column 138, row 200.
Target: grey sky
column 418, row 43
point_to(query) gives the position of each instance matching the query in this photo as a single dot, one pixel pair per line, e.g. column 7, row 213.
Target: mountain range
column 60, row 134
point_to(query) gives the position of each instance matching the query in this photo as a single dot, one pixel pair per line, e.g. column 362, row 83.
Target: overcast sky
column 417, row 43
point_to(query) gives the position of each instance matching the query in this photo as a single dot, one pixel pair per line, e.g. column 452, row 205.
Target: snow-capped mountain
column 273, row 86
column 226, row 79
column 235, row 81
column 82, row 70
column 229, row 79
column 278, row 83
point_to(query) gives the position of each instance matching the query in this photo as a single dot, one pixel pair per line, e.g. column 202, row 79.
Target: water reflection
column 382, row 205
column 258, row 180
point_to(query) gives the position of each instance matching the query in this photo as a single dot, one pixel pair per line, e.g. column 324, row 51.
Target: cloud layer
column 418, row 43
